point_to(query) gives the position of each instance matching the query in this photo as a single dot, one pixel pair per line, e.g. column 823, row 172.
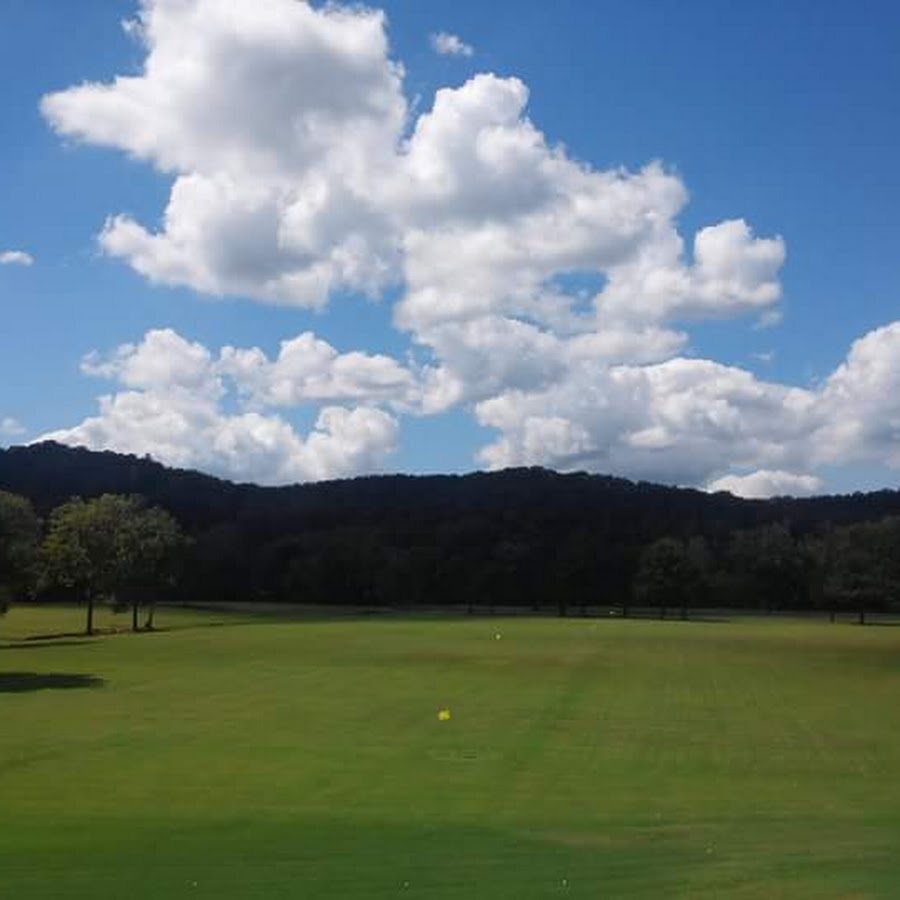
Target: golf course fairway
column 448, row 759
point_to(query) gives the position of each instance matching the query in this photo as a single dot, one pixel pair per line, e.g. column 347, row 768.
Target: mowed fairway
column 582, row 759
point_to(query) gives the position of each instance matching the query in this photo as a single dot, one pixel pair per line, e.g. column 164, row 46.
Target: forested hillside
column 524, row 537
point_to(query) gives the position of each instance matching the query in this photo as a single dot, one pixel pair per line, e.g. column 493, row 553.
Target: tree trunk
column 862, row 615
column 89, row 628
column 148, row 625
column 134, row 615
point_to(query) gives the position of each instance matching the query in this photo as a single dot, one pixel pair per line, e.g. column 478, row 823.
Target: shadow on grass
column 34, row 644
column 24, row 682
column 58, row 635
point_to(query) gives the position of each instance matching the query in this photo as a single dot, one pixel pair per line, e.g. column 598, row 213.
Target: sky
column 281, row 242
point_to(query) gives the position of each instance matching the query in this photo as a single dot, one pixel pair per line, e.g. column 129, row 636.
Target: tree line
column 852, row 568
column 525, row 538
column 112, row 549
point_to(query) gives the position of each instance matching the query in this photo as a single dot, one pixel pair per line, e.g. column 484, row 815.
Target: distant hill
column 50, row 473
column 516, row 533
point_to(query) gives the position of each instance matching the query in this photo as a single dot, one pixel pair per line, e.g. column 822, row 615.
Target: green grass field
column 583, row 759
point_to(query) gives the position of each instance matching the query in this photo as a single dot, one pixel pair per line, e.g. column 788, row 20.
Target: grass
column 582, row 759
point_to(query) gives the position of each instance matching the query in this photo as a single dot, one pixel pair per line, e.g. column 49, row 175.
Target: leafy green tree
column 20, row 532
column 149, row 545
column 99, row 547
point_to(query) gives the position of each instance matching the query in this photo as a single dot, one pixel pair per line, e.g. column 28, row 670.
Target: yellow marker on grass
column 444, row 715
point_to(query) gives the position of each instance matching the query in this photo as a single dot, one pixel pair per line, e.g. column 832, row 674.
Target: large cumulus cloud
column 550, row 298
column 274, row 118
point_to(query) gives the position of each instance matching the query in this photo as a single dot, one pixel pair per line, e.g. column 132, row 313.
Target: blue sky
column 783, row 117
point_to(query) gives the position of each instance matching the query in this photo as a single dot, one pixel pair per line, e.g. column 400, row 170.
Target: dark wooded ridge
column 524, row 537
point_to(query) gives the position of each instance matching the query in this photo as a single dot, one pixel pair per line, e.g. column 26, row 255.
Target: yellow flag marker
column 444, row 715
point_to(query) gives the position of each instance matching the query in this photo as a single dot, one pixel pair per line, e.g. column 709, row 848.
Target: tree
column 669, row 575
column 816, row 552
column 576, row 565
column 700, row 565
column 19, row 539
column 864, row 572
column 112, row 543
column 149, row 546
column 768, row 564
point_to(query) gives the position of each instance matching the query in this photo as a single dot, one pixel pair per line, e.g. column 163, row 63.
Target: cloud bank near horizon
column 330, row 184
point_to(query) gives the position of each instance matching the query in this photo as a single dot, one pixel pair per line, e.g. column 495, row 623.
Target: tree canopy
column 96, row 548
column 20, row 532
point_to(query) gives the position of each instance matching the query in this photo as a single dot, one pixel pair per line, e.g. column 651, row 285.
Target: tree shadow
column 28, row 644
column 24, row 682
column 58, row 636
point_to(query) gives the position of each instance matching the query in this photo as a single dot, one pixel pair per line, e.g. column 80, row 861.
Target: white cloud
column 768, row 483
column 10, row 427
column 733, row 273
column 482, row 357
column 859, row 418
column 447, row 44
column 275, row 119
column 292, row 178
column 494, row 214
column 16, row 258
column 268, row 86
column 298, row 172
column 182, row 431
column 553, row 401
column 769, row 319
column 694, row 421
column 173, row 407
column 683, row 421
column 309, row 369
column 162, row 361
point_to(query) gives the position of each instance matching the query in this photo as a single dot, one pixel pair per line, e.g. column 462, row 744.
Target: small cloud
column 447, row 44
column 769, row 319
column 16, row 258
column 767, row 357
column 132, row 27
column 10, row 427
column 768, row 483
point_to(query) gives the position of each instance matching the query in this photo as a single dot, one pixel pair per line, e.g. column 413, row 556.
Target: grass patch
column 583, row 758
